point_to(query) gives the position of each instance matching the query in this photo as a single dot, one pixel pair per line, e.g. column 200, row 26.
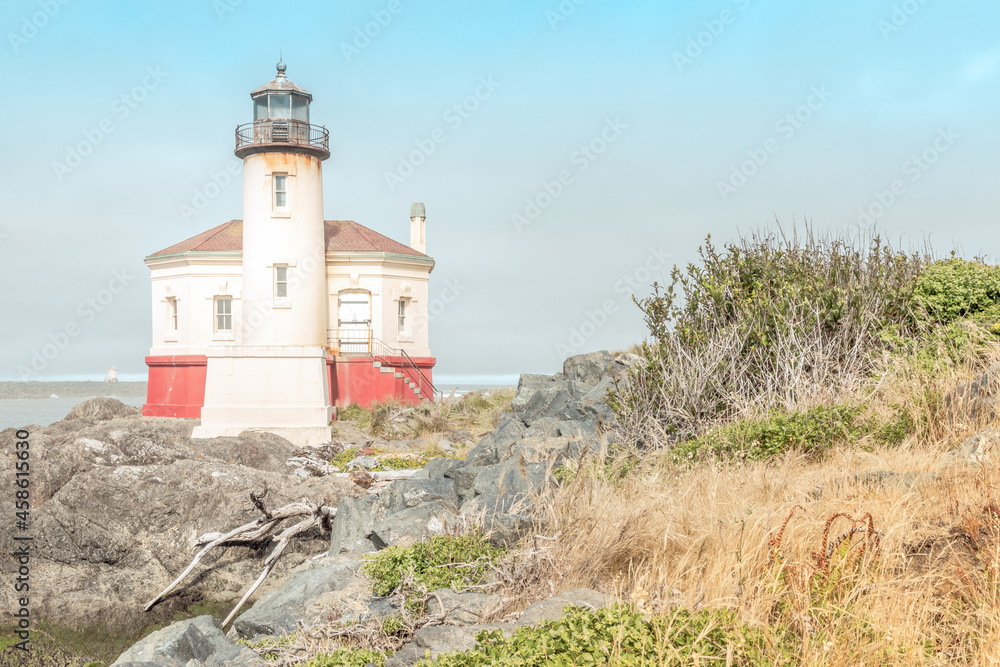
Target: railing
column 361, row 343
column 285, row 131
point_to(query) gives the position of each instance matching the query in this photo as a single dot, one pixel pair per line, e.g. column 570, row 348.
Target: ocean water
column 15, row 413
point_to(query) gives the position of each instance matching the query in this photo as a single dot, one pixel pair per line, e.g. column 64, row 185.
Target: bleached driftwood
column 253, row 532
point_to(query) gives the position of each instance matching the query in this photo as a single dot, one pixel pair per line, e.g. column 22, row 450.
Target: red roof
column 341, row 236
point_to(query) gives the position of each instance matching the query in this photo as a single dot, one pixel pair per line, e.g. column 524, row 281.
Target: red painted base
column 176, row 386
column 177, row 383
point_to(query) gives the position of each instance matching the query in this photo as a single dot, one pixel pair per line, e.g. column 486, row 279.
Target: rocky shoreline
column 26, row 390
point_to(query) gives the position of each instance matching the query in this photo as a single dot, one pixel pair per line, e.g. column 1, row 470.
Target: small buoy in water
column 53, row 396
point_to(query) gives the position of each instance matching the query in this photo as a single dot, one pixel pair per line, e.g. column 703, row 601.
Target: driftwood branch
column 254, row 532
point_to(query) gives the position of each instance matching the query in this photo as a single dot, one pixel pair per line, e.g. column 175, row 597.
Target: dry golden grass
column 922, row 588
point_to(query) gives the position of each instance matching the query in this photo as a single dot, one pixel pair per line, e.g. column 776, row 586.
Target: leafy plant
column 619, row 636
column 347, row 657
column 955, row 287
column 441, row 562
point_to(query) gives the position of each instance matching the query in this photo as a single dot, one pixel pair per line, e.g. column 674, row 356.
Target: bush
column 769, row 321
column 618, row 636
column 953, row 288
column 432, row 564
column 809, row 431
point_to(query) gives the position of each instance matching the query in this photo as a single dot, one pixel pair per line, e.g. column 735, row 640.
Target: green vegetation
column 387, row 460
column 347, row 657
column 807, row 431
column 775, row 322
column 953, row 288
column 440, row 562
column 619, row 636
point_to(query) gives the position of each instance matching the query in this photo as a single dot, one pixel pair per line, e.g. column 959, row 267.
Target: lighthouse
column 270, row 322
column 276, row 378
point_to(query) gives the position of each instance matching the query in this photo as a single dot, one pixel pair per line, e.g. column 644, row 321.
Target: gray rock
column 555, row 402
column 413, row 525
column 465, row 479
column 506, row 530
column 362, row 463
column 435, row 640
column 588, row 369
column 472, row 607
column 197, row 639
column 486, row 453
column 117, row 506
column 507, row 487
column 552, row 608
column 982, row 448
column 439, row 467
column 527, row 385
column 405, row 493
column 593, row 403
column 103, row 409
column 278, row 611
column 353, row 525
column 976, row 399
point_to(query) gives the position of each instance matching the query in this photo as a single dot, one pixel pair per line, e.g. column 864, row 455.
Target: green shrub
column 347, row 657
column 953, row 288
column 808, row 431
column 769, row 320
column 432, row 563
column 618, row 636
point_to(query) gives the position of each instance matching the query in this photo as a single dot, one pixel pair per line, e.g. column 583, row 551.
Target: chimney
column 418, row 227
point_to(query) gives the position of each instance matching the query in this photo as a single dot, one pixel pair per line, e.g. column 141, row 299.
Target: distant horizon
column 442, row 382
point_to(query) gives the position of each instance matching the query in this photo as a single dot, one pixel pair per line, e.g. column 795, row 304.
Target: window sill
column 404, row 338
column 170, row 338
column 281, row 304
column 224, row 336
column 279, row 213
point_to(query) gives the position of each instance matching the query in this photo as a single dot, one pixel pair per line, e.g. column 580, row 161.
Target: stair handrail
column 401, row 353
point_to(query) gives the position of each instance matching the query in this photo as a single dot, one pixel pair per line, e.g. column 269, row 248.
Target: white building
column 269, row 322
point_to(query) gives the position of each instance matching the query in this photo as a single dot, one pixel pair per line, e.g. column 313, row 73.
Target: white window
column 281, row 191
column 280, row 282
column 403, row 321
column 172, row 315
column 223, row 313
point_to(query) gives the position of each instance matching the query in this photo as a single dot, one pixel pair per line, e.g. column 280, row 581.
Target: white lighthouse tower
column 277, row 377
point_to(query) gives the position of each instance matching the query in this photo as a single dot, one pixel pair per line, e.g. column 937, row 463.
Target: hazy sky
column 596, row 144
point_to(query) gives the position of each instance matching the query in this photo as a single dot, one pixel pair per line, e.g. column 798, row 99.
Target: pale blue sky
column 874, row 83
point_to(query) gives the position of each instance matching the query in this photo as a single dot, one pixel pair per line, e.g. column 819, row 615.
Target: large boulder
column 103, row 409
column 279, row 611
column 197, row 642
column 118, row 504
